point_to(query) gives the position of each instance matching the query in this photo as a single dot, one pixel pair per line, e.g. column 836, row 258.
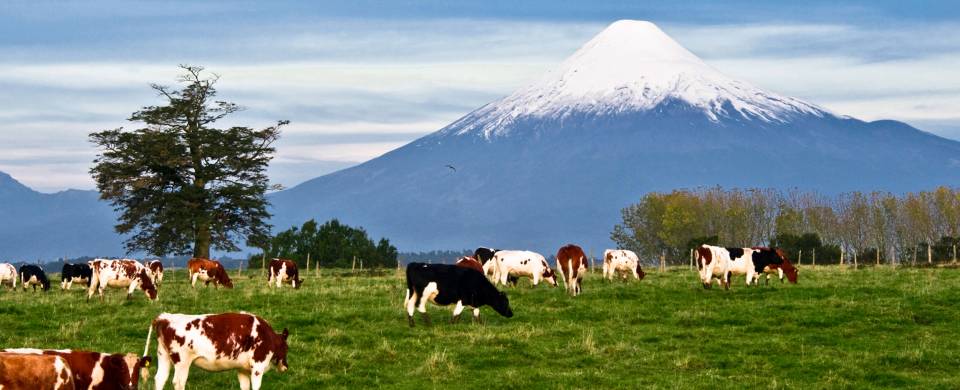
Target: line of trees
column 876, row 227
column 332, row 244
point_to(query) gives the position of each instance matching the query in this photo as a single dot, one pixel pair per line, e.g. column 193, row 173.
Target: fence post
column 856, row 264
column 841, row 256
column 929, row 255
column 263, row 263
column 814, row 257
column 954, row 253
column 893, row 256
column 353, row 267
column 240, row 270
column 308, row 261
column 878, row 256
column 663, row 261
column 800, row 257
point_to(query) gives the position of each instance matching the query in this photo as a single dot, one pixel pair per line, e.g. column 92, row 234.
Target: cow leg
column 163, row 367
column 411, row 303
column 244, row 378
column 133, row 287
column 193, row 279
column 429, row 293
column 476, row 315
column 456, row 312
column 256, row 376
column 180, row 372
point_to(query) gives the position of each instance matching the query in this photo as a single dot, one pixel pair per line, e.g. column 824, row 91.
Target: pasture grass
column 838, row 328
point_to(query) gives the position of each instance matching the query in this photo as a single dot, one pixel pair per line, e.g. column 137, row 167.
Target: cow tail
column 146, row 348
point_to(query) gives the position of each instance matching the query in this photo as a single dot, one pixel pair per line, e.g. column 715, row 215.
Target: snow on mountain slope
column 631, row 66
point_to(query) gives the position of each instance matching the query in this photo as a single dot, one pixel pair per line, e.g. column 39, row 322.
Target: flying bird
column 451, row 167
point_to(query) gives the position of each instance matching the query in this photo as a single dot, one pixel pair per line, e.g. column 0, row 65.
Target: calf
column 471, row 263
column 29, row 372
column 95, row 370
column 571, row 264
column 129, row 274
column 216, row 342
column 774, row 260
column 522, row 263
column 75, row 273
column 33, row 275
column 208, row 271
column 445, row 284
column 623, row 262
column 8, row 275
column 155, row 268
column 284, row 271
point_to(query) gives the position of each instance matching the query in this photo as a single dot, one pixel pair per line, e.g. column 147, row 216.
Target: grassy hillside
column 837, row 328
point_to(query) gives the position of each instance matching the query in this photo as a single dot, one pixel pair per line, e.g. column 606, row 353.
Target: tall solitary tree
column 181, row 185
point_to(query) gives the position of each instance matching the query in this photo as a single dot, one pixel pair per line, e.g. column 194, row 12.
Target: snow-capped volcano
column 631, row 66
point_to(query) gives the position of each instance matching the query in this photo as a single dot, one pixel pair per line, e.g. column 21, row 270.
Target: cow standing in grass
column 156, row 271
column 129, row 274
column 31, row 372
column 75, row 273
column 208, row 271
column 284, row 271
column 774, row 260
column 8, row 275
column 571, row 265
column 96, row 370
column 522, row 264
column 216, row 342
column 621, row 262
column 713, row 263
column 33, row 275
column 445, row 284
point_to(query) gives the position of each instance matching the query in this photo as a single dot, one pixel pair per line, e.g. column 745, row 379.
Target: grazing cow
column 129, row 274
column 95, row 370
column 208, row 271
column 29, row 372
column 471, row 263
column 8, row 275
column 284, row 271
column 216, row 342
column 522, row 263
column 156, row 271
column 571, row 264
column 741, row 263
column 713, row 263
column 623, row 262
column 75, row 273
column 773, row 260
column 445, row 284
column 33, row 275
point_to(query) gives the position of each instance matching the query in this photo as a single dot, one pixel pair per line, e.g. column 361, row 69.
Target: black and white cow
column 445, row 284
column 75, row 273
column 33, row 275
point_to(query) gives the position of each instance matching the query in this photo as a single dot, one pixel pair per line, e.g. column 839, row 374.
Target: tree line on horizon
column 872, row 228
column 332, row 244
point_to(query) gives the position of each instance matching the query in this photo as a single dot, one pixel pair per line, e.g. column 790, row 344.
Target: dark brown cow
column 217, row 342
column 208, row 271
column 30, row 371
column 284, row 271
column 572, row 264
column 471, row 263
column 98, row 371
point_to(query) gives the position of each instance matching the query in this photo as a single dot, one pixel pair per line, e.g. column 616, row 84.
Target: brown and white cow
column 284, row 271
column 156, row 271
column 713, row 263
column 29, row 372
column 95, row 370
column 8, row 275
column 623, row 262
column 208, row 271
column 216, row 342
column 572, row 265
column 125, row 273
column 522, row 264
column 471, row 263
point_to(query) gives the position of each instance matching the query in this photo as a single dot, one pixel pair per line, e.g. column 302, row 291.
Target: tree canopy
column 332, row 244
column 180, row 184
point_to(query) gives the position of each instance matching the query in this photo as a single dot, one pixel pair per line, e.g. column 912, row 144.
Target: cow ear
column 285, row 334
column 145, row 361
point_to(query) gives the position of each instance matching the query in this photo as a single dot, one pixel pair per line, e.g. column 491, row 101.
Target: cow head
column 146, row 284
column 549, row 275
column 500, row 303
column 788, row 269
column 280, row 351
column 297, row 282
column 640, row 273
column 222, row 277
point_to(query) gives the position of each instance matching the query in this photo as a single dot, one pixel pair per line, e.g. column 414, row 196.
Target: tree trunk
column 914, row 260
column 201, row 243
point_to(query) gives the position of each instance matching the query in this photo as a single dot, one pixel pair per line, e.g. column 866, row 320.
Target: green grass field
column 838, row 328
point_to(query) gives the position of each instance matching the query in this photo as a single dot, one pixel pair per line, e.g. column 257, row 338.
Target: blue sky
column 362, row 77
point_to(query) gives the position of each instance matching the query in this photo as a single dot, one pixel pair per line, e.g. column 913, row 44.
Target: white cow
column 522, row 263
column 216, row 342
column 8, row 275
column 713, row 262
column 129, row 274
column 741, row 263
column 623, row 262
